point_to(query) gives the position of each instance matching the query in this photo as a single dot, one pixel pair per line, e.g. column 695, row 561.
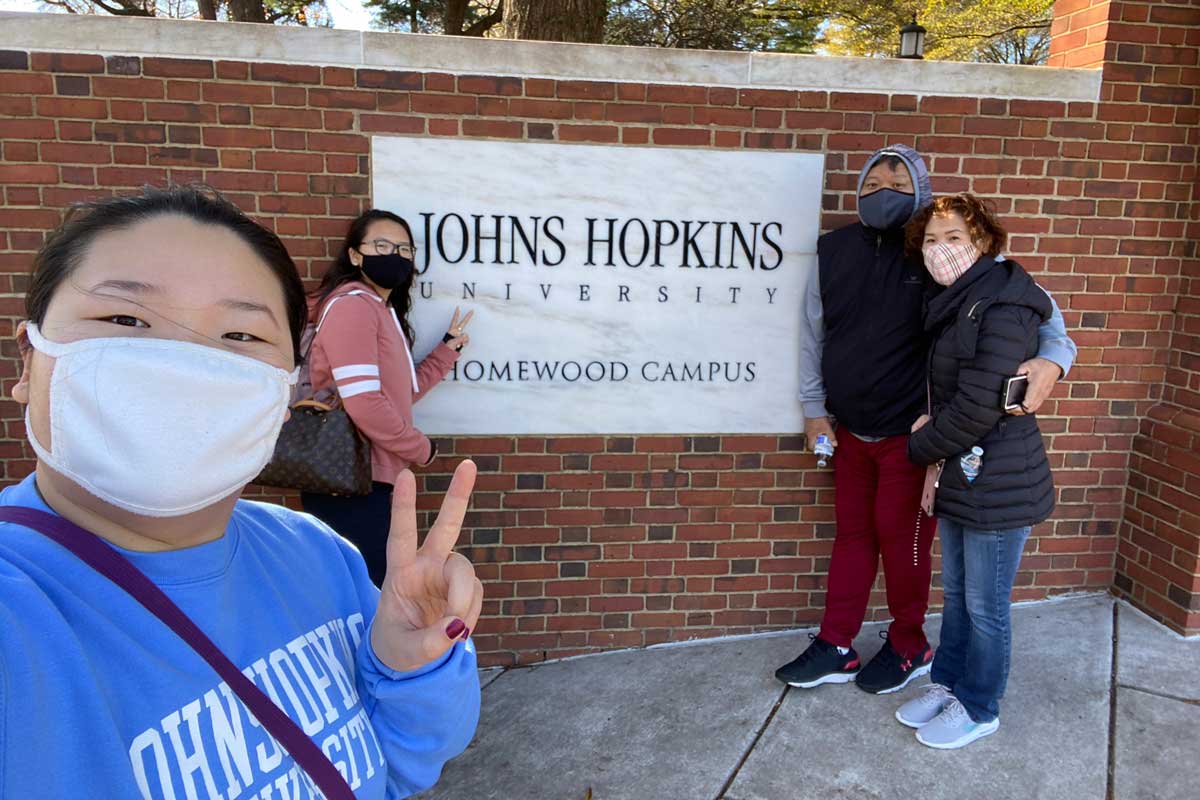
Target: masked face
column 158, row 378
column 948, row 249
column 947, row 262
column 385, row 255
column 887, row 199
column 159, row 427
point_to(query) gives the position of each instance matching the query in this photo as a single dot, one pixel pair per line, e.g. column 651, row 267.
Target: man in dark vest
column 863, row 360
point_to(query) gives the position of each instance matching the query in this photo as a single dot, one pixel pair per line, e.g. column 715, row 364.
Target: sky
column 347, row 14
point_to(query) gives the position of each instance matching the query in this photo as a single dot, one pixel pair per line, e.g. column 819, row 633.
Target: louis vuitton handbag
column 319, row 449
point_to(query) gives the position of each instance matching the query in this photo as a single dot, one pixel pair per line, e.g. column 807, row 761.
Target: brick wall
column 595, row 542
column 1151, row 58
column 1079, row 34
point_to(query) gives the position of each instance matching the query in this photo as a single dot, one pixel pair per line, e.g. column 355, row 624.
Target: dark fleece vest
column 873, row 359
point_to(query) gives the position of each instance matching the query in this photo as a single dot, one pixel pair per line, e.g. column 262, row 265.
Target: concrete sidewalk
column 709, row 720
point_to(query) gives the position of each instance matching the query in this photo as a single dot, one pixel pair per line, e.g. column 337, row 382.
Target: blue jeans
column 978, row 568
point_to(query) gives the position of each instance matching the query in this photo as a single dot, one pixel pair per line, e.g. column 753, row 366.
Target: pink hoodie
column 360, row 350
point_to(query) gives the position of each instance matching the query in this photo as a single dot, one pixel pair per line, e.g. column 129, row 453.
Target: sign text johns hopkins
column 616, row 289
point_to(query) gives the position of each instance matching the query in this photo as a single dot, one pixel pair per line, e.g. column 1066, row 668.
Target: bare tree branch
column 1014, row 29
column 124, row 9
column 485, row 23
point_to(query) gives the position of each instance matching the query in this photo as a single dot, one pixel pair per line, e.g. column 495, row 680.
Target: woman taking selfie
column 996, row 483
column 362, row 351
column 159, row 637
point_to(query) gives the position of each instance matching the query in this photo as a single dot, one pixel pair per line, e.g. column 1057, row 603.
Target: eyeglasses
column 384, row 247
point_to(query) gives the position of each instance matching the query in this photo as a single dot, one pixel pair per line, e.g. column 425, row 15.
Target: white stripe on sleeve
column 353, row 389
column 356, row 371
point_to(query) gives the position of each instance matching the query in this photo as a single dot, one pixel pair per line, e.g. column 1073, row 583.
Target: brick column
column 1079, row 33
column 1151, row 101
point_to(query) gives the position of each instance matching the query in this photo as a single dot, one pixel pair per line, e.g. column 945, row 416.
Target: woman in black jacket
column 982, row 325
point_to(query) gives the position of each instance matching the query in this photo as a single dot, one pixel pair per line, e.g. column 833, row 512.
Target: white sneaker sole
column 833, row 677
column 913, row 724
column 986, row 729
column 924, row 669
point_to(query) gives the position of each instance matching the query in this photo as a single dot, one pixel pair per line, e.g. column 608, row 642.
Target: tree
column 870, row 28
column 120, row 8
column 762, row 25
column 294, row 12
column 453, row 17
column 998, row 31
column 1005, row 31
column 555, row 20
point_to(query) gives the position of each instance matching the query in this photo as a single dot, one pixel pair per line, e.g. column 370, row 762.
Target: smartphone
column 1014, row 392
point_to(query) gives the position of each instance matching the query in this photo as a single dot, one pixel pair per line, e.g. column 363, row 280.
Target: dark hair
column 64, row 248
column 981, row 221
column 894, row 162
column 344, row 271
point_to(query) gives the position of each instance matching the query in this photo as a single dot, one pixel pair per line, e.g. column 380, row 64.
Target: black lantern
column 912, row 40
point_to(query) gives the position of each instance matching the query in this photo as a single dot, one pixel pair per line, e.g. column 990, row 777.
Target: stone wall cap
column 468, row 55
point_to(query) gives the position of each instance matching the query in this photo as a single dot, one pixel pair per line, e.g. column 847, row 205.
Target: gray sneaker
column 954, row 728
column 925, row 706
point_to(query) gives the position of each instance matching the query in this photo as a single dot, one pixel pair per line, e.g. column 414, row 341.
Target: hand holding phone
column 1014, row 392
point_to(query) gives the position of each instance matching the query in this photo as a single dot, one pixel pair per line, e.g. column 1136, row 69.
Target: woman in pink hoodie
column 363, row 351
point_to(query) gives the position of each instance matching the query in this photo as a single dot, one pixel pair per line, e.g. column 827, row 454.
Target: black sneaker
column 887, row 672
column 820, row 663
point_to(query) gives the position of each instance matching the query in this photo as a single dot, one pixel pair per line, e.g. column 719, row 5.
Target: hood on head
column 923, row 189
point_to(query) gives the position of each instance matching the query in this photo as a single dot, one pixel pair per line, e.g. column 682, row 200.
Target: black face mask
column 886, row 209
column 387, row 272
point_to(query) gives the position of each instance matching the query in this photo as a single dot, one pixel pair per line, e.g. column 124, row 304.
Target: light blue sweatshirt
column 99, row 699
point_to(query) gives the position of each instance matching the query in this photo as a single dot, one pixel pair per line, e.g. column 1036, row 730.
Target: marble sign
column 615, row 289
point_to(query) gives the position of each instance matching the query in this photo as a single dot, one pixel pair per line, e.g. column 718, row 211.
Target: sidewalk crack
column 1191, row 701
column 753, row 743
column 1110, row 788
column 490, row 683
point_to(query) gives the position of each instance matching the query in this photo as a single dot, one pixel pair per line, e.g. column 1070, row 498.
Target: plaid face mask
column 947, row 262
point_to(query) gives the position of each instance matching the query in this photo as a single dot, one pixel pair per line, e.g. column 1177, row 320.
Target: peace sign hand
column 457, row 332
column 457, row 326
column 430, row 596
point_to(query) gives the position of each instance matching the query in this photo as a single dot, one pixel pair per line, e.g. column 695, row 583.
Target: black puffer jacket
column 983, row 326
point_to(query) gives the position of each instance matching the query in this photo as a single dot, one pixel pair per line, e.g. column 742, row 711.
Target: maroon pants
column 877, row 503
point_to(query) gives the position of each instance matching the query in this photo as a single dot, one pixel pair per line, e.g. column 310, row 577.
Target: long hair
column 64, row 249
column 343, row 270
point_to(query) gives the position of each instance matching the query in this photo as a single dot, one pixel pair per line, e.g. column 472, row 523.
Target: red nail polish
column 455, row 629
column 466, row 634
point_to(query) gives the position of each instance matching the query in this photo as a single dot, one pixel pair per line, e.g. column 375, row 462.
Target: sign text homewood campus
column 615, row 289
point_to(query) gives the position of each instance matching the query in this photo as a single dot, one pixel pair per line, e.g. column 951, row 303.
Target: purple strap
column 97, row 554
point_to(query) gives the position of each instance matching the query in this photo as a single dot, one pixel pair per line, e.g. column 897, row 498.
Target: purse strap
column 97, row 554
column 336, row 401
column 929, row 380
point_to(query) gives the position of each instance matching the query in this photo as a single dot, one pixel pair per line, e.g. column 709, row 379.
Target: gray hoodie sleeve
column 812, row 341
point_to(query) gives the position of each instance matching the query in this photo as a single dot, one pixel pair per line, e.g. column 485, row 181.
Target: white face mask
column 159, row 427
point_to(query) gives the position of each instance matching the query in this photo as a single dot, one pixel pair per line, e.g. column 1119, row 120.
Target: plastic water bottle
column 972, row 462
column 824, row 450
